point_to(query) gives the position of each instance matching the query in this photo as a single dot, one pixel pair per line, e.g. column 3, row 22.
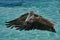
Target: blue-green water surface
column 48, row 9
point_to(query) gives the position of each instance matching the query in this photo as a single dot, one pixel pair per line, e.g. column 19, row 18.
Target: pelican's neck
column 28, row 17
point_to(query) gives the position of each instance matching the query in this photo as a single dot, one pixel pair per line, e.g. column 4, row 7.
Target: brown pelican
column 30, row 21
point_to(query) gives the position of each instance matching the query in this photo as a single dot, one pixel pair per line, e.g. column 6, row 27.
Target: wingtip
column 53, row 30
column 6, row 22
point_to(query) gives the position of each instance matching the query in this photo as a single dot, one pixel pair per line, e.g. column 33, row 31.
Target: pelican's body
column 31, row 21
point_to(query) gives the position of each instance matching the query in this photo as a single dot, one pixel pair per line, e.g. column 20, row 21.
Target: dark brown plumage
column 33, row 22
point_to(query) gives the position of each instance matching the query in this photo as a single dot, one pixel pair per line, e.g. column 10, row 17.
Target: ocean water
column 49, row 9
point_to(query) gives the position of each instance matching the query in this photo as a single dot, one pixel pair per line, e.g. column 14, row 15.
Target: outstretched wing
column 17, row 22
column 49, row 24
column 46, row 24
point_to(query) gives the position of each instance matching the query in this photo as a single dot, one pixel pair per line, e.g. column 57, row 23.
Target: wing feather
column 17, row 22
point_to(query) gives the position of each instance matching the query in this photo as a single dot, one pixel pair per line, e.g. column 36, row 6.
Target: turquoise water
column 48, row 9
